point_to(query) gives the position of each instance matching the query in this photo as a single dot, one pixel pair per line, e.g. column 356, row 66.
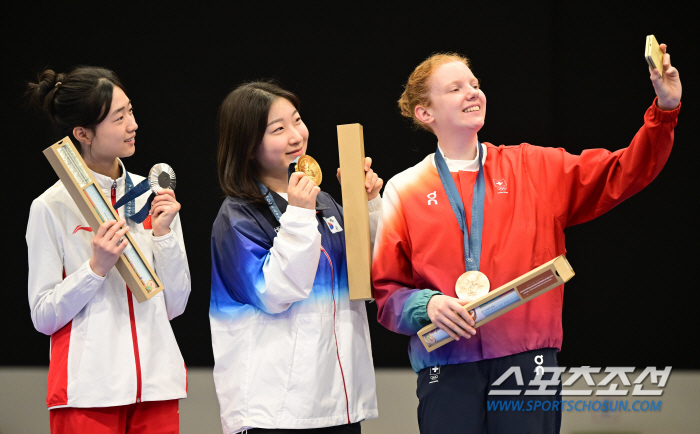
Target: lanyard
column 270, row 201
column 472, row 242
column 267, row 193
column 130, row 200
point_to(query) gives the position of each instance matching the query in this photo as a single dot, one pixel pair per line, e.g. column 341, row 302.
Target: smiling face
column 456, row 103
column 285, row 139
column 114, row 137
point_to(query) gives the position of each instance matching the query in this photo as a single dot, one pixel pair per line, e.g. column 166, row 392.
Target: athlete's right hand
column 106, row 247
column 302, row 191
column 449, row 314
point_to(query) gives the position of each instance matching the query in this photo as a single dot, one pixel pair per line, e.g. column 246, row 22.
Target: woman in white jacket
column 291, row 351
column 115, row 365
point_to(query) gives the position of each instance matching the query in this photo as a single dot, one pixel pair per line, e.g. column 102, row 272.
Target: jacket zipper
column 132, row 320
column 337, row 351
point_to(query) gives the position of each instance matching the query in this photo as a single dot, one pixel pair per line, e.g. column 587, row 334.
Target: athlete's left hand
column 373, row 183
column 668, row 88
column 164, row 208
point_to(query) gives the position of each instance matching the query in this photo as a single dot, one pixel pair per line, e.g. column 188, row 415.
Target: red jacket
column 532, row 195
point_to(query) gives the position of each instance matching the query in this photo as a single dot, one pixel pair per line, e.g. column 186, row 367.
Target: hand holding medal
column 164, row 206
column 309, row 167
column 161, row 204
column 304, row 177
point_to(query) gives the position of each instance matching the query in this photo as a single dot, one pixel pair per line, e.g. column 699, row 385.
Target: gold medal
column 472, row 285
column 310, row 168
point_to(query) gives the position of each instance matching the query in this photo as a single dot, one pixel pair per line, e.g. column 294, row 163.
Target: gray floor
column 23, row 390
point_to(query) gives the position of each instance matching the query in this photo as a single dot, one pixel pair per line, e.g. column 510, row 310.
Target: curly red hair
column 417, row 87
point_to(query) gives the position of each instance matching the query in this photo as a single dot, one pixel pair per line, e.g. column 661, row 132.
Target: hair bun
column 81, row 98
column 46, row 84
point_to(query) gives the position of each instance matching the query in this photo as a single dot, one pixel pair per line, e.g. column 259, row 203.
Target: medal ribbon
column 270, row 201
column 130, row 200
column 472, row 241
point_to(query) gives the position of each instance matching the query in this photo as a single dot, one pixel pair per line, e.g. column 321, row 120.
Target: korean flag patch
column 333, row 224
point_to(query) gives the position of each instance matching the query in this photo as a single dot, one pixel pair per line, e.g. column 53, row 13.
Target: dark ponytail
column 81, row 98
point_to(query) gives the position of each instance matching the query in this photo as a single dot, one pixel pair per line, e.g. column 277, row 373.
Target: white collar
column 105, row 182
column 461, row 165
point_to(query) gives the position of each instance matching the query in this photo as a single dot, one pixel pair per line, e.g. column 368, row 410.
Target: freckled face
column 285, row 139
column 456, row 102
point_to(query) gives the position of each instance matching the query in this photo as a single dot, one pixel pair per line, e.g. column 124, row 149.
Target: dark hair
column 81, row 98
column 242, row 122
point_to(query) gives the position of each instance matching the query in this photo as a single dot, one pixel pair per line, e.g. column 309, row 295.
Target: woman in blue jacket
column 292, row 351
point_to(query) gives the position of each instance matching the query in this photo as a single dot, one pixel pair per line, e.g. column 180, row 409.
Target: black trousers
column 454, row 399
column 353, row 428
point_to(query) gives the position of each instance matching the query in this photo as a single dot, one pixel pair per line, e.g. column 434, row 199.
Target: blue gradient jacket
column 291, row 350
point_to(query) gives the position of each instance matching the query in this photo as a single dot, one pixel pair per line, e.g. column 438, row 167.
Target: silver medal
column 160, row 177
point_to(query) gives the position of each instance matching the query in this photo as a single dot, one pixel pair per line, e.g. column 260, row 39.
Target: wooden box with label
column 82, row 187
column 504, row 299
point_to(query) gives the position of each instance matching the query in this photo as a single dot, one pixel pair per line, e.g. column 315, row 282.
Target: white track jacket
column 106, row 348
column 291, row 349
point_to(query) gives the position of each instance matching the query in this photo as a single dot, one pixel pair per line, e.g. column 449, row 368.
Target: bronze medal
column 310, row 168
column 472, row 285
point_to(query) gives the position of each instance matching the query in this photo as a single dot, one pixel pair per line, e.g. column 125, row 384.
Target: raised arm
column 579, row 188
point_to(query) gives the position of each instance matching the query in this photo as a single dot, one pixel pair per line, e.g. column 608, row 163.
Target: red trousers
column 157, row 417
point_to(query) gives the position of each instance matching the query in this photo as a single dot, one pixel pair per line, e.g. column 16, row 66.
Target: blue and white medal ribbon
column 130, row 200
column 472, row 239
column 160, row 176
column 267, row 193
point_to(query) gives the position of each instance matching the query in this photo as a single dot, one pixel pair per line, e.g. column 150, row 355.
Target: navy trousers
column 454, row 399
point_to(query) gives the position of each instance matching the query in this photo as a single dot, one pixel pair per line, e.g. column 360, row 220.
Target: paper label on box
column 536, row 284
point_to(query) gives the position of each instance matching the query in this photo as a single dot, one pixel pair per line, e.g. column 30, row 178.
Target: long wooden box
column 351, row 152
column 506, row 298
column 82, row 187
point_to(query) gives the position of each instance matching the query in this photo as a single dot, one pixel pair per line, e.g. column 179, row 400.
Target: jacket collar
column 106, row 183
column 462, row 165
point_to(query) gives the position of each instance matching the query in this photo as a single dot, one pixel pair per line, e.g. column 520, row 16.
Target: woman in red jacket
column 502, row 212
